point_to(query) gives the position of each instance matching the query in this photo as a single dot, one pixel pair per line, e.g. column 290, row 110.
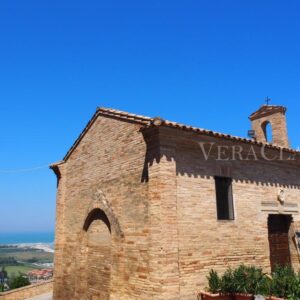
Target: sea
column 26, row 238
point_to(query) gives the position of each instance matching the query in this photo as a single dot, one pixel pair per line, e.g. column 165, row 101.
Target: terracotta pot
column 244, row 297
column 208, row 296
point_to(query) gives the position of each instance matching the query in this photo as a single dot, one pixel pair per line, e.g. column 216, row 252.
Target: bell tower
column 274, row 117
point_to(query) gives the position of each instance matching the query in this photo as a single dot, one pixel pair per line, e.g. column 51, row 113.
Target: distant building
column 39, row 275
column 146, row 207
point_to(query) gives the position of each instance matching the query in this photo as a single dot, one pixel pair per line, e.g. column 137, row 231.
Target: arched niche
column 99, row 243
column 96, row 214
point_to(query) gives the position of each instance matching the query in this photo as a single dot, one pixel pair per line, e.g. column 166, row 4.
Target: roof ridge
column 148, row 121
column 120, row 113
column 112, row 111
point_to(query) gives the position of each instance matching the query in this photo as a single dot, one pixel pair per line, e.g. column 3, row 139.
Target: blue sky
column 204, row 63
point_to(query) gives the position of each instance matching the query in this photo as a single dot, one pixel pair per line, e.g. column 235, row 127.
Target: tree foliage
column 18, row 281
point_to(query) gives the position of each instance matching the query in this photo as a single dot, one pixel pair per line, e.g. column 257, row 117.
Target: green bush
column 294, row 292
column 214, row 282
column 249, row 280
column 258, row 281
column 285, row 283
column 18, row 281
column 227, row 282
column 241, row 280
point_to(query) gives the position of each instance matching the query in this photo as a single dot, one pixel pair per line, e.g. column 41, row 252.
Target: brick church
column 146, row 207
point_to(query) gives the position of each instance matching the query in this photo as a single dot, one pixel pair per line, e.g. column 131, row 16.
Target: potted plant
column 242, row 283
column 284, row 284
column 262, row 287
column 250, row 282
column 259, row 282
column 216, row 287
column 294, row 293
column 227, row 283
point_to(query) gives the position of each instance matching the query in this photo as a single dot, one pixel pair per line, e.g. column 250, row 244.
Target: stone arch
column 97, row 250
column 98, row 245
column 99, row 201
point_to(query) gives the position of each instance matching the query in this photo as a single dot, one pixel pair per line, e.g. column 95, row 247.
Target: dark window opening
column 224, row 197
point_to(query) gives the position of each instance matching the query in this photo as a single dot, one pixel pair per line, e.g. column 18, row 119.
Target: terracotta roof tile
column 124, row 115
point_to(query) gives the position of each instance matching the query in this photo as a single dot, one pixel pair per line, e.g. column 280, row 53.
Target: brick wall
column 159, row 195
column 203, row 241
column 109, row 158
column 279, row 129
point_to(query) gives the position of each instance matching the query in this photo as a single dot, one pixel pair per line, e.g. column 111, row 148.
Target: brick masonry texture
column 275, row 116
column 158, row 194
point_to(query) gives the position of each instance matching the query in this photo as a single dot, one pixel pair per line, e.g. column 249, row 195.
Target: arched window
column 267, row 129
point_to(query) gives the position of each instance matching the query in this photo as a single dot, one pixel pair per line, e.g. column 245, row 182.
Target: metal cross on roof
column 268, row 100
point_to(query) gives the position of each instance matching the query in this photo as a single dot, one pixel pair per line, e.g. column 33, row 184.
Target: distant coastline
column 26, row 252
column 46, row 247
column 13, row 238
